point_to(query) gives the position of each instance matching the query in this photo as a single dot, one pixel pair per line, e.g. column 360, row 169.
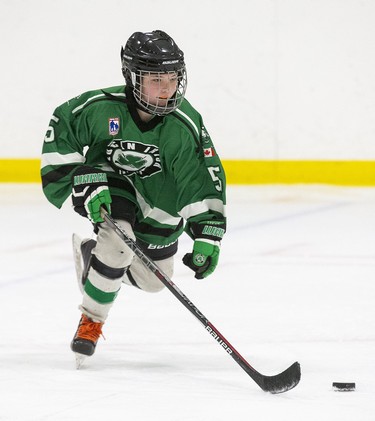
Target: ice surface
column 296, row 282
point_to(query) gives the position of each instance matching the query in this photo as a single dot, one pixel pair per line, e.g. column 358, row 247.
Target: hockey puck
column 343, row 387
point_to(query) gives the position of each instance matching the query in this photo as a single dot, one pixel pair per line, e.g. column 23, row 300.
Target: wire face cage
column 159, row 93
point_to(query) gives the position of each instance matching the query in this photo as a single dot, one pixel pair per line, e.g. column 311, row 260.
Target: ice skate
column 85, row 339
column 82, row 258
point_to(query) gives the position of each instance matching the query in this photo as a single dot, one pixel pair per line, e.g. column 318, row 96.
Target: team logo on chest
column 129, row 158
column 113, row 126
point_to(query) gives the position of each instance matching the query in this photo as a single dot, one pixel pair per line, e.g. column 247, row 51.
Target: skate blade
column 79, row 360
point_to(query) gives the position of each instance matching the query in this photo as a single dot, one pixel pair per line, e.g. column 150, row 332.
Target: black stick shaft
column 274, row 384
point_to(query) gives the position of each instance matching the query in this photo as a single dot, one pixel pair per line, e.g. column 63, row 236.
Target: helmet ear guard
column 126, row 72
column 153, row 53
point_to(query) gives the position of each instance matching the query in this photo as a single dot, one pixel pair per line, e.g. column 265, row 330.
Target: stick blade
column 282, row 382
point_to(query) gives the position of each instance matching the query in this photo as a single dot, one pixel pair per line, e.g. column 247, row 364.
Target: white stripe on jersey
column 203, row 206
column 94, row 97
column 189, row 120
column 55, row 158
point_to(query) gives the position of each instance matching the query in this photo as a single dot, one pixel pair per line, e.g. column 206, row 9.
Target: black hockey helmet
column 151, row 53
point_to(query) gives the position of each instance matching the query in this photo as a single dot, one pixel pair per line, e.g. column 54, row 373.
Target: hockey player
column 141, row 151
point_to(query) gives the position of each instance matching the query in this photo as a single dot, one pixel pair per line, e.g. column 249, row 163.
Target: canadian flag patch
column 208, row 152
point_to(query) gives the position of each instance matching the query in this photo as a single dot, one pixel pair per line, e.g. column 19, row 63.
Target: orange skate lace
column 89, row 330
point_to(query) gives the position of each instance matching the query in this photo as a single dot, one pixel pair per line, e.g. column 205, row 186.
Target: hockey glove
column 90, row 193
column 205, row 256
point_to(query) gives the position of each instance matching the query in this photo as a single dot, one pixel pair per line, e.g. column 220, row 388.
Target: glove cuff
column 208, row 230
column 88, row 175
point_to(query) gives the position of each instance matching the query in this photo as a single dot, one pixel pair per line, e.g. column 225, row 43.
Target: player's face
column 158, row 88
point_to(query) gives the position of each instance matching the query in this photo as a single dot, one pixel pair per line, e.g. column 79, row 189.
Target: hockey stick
column 274, row 384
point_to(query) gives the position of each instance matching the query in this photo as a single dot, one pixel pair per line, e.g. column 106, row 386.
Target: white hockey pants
column 113, row 263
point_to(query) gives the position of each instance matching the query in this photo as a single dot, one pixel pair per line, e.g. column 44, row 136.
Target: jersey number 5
column 213, row 171
column 50, row 135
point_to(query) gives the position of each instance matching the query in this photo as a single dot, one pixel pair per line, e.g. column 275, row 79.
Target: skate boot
column 82, row 258
column 85, row 339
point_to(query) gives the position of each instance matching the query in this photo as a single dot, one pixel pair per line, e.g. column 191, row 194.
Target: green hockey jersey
column 167, row 167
